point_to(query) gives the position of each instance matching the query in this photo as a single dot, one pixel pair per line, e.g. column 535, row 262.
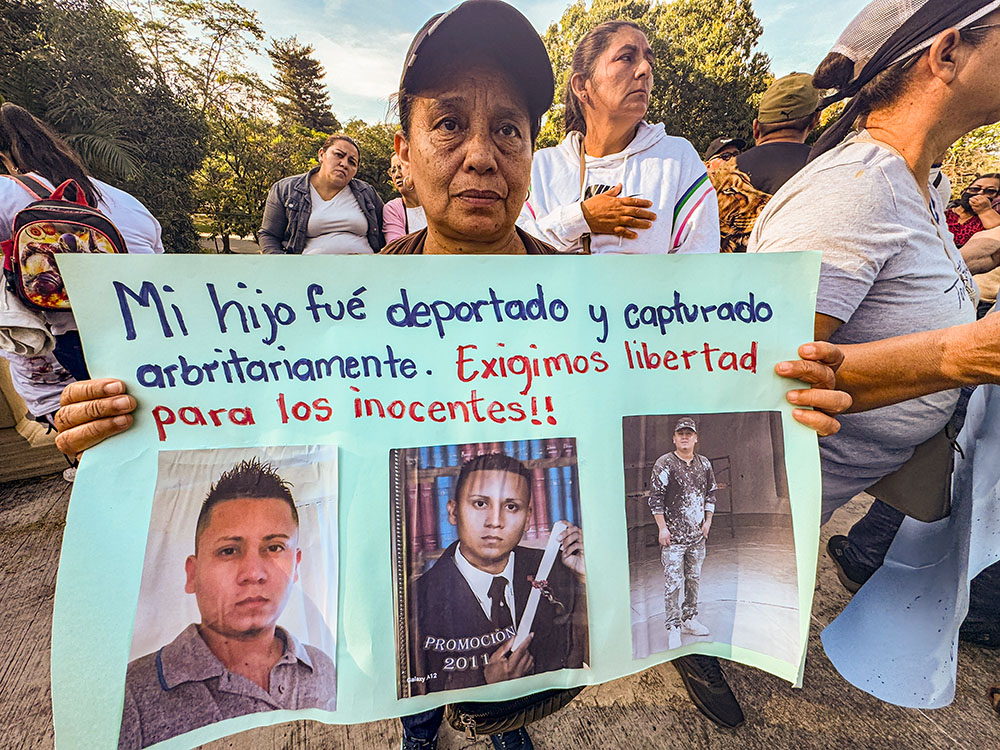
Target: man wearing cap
column 682, row 501
column 721, row 150
column 788, row 112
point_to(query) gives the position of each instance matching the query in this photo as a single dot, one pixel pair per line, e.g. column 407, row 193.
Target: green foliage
column 19, row 19
column 247, row 154
column 708, row 77
column 70, row 63
column 196, row 47
column 376, row 145
column 300, row 96
column 172, row 140
column 973, row 154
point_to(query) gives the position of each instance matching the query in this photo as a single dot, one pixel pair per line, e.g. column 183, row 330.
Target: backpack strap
column 7, row 246
column 79, row 197
column 33, row 187
column 36, row 190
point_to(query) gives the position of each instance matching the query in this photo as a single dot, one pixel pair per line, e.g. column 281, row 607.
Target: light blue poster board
column 225, row 352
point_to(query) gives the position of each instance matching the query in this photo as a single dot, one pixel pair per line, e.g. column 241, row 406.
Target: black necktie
column 500, row 612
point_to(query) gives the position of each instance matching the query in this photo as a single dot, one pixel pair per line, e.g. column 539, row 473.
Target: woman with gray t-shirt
column 325, row 211
column 921, row 74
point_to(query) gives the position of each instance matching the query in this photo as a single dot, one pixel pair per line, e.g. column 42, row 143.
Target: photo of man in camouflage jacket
column 682, row 501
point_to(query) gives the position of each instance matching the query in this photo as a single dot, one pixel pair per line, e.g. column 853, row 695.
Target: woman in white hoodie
column 617, row 184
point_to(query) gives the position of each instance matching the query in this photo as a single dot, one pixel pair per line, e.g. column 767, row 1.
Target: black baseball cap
column 488, row 29
column 720, row 143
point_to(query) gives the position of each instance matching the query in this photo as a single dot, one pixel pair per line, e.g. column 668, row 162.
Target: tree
column 973, row 154
column 247, row 155
column 71, row 64
column 197, row 47
column 375, row 142
column 707, row 75
column 299, row 92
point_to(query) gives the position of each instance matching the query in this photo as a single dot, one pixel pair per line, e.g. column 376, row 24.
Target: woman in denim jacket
column 311, row 213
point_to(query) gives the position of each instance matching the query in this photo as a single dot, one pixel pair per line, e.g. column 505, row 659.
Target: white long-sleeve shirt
column 660, row 168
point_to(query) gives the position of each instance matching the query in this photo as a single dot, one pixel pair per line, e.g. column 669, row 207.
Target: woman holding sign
column 617, row 184
column 467, row 142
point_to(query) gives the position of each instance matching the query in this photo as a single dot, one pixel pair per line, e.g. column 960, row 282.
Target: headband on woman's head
column 872, row 43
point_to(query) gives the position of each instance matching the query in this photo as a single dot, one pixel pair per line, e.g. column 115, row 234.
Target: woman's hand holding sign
column 818, row 405
column 90, row 411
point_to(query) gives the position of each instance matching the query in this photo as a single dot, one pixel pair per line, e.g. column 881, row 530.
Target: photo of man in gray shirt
column 237, row 660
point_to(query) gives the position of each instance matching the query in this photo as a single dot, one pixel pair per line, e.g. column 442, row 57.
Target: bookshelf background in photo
column 430, row 474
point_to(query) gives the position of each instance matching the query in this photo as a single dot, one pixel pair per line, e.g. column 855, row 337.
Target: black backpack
column 60, row 221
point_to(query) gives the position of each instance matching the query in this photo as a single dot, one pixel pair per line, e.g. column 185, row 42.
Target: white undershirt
column 480, row 582
column 336, row 226
column 415, row 219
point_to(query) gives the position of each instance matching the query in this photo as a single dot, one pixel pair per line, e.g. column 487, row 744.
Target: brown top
column 413, row 244
column 989, row 283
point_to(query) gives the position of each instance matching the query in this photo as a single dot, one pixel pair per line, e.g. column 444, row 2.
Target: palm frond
column 107, row 153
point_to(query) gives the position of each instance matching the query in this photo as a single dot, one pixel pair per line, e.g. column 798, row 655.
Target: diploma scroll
column 544, row 568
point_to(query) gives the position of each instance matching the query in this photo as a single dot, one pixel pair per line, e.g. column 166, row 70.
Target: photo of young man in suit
column 465, row 610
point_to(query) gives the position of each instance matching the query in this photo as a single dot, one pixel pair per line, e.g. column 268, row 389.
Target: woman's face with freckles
column 468, row 151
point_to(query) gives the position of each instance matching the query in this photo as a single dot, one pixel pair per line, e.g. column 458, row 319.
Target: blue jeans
column 871, row 537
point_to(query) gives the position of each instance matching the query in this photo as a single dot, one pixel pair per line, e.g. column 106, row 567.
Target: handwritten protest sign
column 453, row 447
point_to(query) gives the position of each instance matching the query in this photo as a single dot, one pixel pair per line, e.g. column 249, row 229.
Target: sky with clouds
column 361, row 43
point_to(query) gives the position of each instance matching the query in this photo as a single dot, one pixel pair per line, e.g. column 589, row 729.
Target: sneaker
column 412, row 743
column 851, row 575
column 515, row 740
column 69, row 474
column 693, row 627
column 708, row 689
column 673, row 638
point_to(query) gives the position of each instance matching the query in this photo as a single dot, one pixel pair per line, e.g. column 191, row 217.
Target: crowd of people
column 896, row 325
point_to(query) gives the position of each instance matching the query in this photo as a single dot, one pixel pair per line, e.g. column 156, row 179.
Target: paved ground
column 238, row 245
column 648, row 710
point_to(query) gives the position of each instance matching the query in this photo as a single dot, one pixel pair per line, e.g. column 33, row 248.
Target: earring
column 407, row 184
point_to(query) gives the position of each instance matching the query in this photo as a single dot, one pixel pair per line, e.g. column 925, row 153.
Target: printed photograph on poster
column 490, row 581
column 710, row 543
column 237, row 604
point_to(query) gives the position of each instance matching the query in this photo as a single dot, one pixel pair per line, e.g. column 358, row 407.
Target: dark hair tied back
column 588, row 49
column 835, row 72
column 34, row 147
